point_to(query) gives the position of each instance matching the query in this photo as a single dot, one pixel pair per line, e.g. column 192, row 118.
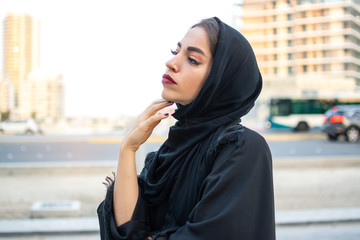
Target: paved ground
column 299, row 184
column 336, row 231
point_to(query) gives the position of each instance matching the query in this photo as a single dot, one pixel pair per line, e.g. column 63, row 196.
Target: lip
column 166, row 78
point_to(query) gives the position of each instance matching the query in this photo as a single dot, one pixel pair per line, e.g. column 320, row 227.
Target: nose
column 172, row 64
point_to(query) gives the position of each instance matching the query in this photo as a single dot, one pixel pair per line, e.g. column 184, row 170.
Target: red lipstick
column 167, row 79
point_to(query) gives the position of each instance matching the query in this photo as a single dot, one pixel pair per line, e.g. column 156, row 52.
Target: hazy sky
column 112, row 53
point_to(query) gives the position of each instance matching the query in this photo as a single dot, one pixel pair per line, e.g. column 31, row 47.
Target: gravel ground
column 299, row 184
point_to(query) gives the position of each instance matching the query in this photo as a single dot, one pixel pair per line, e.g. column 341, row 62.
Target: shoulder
column 253, row 138
column 240, row 145
column 238, row 136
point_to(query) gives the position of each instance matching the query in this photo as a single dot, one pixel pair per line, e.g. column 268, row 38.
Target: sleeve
column 237, row 200
column 135, row 229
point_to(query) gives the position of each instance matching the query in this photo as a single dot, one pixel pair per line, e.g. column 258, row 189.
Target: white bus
column 301, row 114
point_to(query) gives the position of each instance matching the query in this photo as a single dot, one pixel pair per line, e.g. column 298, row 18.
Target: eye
column 193, row 61
column 173, row 52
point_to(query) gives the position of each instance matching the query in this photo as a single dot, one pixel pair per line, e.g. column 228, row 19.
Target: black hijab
column 229, row 93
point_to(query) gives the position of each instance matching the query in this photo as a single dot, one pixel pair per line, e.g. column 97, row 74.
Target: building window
column 347, row 24
column 324, row 67
column 289, row 43
column 290, row 56
column 303, row 27
column 325, row 39
column 275, row 70
column 274, row 31
column 290, row 71
column 324, row 26
column 289, row 29
column 347, row 66
column 275, row 44
column 347, row 38
column 304, row 68
column 288, row 17
column 274, row 18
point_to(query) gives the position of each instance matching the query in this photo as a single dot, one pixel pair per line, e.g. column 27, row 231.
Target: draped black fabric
column 212, row 177
column 229, row 93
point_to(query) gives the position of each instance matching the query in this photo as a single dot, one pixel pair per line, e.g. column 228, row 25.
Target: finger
column 156, row 106
column 154, row 120
column 145, row 114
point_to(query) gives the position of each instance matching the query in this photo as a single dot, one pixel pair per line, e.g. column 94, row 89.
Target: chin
column 166, row 96
column 170, row 97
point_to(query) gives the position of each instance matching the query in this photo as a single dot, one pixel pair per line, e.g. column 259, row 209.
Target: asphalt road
column 25, row 149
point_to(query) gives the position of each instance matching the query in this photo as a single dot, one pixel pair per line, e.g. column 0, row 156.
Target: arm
column 126, row 190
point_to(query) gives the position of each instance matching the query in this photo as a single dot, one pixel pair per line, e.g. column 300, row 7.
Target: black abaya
column 212, row 177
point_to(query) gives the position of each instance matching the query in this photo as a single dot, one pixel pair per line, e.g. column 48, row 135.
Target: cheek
column 197, row 81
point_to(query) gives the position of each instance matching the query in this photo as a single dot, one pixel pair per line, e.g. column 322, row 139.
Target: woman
column 212, row 177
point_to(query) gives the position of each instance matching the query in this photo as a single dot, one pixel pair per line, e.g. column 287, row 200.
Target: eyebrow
column 193, row 49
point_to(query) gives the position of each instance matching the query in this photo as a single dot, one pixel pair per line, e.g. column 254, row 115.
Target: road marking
column 294, row 137
column 98, row 140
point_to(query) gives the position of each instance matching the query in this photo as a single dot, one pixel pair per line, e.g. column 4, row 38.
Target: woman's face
column 189, row 68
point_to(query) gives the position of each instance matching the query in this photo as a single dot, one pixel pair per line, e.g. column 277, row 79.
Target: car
column 28, row 127
column 342, row 120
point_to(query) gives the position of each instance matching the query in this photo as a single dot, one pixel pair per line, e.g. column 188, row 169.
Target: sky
column 112, row 53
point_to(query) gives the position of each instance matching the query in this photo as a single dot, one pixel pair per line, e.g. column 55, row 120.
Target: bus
column 302, row 114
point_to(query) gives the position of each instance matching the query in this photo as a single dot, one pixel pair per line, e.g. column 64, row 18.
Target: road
column 17, row 149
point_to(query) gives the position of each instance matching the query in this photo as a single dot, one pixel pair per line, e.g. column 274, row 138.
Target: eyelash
column 191, row 60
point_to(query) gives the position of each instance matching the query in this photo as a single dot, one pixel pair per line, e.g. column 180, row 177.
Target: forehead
column 196, row 37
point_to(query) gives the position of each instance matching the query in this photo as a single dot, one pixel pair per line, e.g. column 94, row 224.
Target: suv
column 342, row 120
column 28, row 127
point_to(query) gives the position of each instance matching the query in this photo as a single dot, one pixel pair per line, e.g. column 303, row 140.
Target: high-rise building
column 26, row 91
column 20, row 50
column 305, row 48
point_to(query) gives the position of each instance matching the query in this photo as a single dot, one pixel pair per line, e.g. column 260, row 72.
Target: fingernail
column 166, row 114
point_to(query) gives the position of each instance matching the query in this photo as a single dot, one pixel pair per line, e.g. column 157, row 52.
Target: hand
column 145, row 124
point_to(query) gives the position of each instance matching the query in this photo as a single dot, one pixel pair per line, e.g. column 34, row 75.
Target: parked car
column 28, row 127
column 342, row 120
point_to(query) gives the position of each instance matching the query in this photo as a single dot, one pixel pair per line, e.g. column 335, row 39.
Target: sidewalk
column 90, row 224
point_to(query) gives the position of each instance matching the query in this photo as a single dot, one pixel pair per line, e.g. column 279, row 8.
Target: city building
column 25, row 90
column 6, row 98
column 20, row 50
column 305, row 48
column 45, row 100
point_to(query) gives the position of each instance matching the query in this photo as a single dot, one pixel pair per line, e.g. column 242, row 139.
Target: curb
column 316, row 216
column 91, row 225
